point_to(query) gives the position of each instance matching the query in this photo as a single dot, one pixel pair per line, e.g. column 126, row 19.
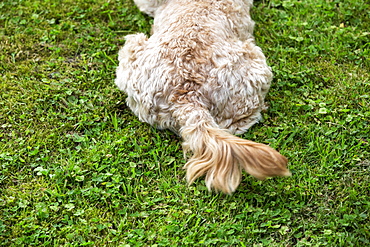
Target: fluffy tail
column 221, row 156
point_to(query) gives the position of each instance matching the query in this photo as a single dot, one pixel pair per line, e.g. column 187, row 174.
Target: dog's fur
column 201, row 75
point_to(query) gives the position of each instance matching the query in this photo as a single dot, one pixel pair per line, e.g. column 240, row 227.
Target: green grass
column 78, row 169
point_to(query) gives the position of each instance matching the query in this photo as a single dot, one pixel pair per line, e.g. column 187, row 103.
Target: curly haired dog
column 201, row 75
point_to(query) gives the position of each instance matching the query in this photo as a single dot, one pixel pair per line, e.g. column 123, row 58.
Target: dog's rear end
column 201, row 75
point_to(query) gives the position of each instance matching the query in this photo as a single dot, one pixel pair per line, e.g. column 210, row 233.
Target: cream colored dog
column 201, row 75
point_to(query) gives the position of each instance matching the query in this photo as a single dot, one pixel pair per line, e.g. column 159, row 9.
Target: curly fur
column 201, row 75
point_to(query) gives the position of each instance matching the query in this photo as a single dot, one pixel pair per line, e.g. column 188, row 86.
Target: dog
column 201, row 75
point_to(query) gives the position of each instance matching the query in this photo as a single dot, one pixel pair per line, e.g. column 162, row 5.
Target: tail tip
column 287, row 173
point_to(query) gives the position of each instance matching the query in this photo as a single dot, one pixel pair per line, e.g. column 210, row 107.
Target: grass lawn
column 77, row 168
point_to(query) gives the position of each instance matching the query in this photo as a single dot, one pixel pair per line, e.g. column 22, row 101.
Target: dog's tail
column 221, row 156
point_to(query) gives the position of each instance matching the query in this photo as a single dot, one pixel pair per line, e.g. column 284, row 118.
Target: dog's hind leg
column 127, row 55
column 134, row 43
